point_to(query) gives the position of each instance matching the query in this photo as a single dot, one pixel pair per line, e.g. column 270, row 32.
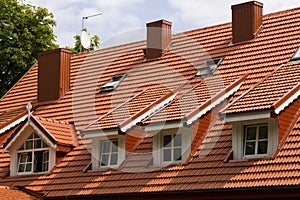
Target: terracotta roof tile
column 210, row 167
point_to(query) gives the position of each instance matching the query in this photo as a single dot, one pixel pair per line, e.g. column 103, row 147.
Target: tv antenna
column 85, row 37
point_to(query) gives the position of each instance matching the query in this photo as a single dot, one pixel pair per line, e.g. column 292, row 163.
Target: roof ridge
column 281, row 11
column 51, row 120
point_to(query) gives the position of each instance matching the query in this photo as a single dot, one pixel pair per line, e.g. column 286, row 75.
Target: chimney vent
column 158, row 38
column 53, row 74
column 246, row 21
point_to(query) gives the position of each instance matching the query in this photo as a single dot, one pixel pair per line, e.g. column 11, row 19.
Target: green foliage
column 25, row 31
column 95, row 44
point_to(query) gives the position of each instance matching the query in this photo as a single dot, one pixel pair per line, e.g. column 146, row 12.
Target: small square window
column 112, row 84
column 256, row 140
column 172, row 147
column 296, row 56
column 209, row 67
column 108, row 153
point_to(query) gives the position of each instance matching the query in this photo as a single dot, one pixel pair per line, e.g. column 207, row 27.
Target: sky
column 122, row 21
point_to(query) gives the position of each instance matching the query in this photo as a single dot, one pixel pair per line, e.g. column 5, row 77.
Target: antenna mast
column 82, row 23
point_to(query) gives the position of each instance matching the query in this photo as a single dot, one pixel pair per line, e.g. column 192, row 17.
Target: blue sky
column 124, row 20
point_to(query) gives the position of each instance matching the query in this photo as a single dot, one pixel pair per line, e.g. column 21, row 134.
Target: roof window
column 113, row 83
column 209, row 67
column 296, row 55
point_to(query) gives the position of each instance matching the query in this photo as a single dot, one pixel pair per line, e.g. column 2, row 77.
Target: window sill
column 251, row 159
column 32, row 174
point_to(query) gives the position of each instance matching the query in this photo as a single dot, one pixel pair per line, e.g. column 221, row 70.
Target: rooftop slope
column 210, row 166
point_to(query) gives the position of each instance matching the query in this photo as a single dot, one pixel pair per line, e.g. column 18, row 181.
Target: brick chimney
column 158, row 38
column 246, row 21
column 53, row 74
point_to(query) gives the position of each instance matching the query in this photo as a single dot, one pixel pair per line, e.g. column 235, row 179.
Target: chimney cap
column 248, row 3
column 158, row 23
column 54, row 51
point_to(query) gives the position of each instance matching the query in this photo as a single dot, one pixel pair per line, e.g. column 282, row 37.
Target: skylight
column 296, row 55
column 209, row 67
column 113, row 83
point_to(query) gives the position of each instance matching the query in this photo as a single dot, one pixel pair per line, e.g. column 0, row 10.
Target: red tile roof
column 270, row 79
column 283, row 82
column 15, row 194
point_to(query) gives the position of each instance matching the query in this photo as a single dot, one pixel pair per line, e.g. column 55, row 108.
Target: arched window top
column 33, row 142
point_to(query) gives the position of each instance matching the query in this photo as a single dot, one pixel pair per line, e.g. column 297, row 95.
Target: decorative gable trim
column 13, row 124
column 41, row 131
column 287, row 99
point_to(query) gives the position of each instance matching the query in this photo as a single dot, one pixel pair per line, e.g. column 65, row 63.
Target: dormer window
column 108, row 152
column 171, row 146
column 113, row 83
column 296, row 55
column 33, row 148
column 254, row 138
column 33, row 156
column 209, row 67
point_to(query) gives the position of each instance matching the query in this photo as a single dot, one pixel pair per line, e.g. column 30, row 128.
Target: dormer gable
column 33, row 146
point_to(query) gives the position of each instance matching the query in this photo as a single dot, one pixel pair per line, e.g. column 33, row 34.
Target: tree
column 25, row 31
column 94, row 44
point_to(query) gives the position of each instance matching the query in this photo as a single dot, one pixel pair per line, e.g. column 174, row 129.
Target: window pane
column 38, row 161
column 114, row 146
column 36, row 136
column 251, row 133
column 250, row 148
column 106, row 146
column 45, row 145
column 104, row 160
column 22, row 147
column 167, row 140
column 45, row 156
column 114, row 159
column 167, row 155
column 37, row 144
column 31, row 136
column 28, row 168
column 177, row 154
column 23, row 157
column 21, row 167
column 262, row 147
column 45, row 167
column 177, row 140
column 45, row 161
column 263, row 132
column 29, row 144
column 29, row 158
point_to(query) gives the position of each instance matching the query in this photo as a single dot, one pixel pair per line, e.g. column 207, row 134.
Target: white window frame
column 96, row 151
column 171, row 147
column 256, row 140
column 186, row 142
column 238, row 140
column 20, row 139
column 33, row 150
column 110, row 152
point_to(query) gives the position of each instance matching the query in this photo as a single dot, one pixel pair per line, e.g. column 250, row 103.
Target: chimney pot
column 246, row 21
column 158, row 38
column 53, row 74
